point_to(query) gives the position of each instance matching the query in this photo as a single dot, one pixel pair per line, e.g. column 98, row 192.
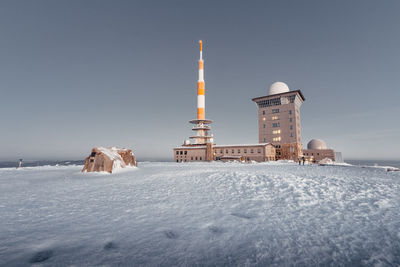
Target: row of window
column 195, row 158
column 276, row 101
column 221, row 151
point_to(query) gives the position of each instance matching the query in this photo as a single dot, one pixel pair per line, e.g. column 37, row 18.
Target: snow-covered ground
column 165, row 214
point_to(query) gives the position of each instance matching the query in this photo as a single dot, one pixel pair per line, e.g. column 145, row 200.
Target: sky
column 79, row 74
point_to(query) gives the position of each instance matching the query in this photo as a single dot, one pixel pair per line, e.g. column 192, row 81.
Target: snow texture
column 169, row 214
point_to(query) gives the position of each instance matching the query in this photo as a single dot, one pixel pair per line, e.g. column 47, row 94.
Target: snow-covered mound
column 168, row 214
column 109, row 160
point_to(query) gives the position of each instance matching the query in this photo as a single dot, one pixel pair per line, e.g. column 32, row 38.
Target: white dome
column 278, row 88
column 316, row 144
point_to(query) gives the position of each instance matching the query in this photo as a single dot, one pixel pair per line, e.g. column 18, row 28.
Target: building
column 317, row 151
column 279, row 120
column 252, row 152
column 201, row 146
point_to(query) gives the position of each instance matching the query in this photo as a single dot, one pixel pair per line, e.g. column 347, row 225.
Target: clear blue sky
column 78, row 74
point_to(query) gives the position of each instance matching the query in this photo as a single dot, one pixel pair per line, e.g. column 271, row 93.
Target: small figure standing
column 304, row 160
column 299, row 159
column 20, row 164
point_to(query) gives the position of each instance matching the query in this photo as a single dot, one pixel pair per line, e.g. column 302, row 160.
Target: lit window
column 276, row 131
column 274, row 118
column 264, row 119
column 276, row 139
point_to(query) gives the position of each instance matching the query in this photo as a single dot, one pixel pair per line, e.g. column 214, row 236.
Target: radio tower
column 201, row 127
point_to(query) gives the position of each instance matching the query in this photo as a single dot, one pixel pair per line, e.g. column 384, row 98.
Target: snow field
column 164, row 214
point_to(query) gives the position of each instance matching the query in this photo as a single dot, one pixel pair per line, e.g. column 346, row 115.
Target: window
column 276, row 139
column 265, row 140
column 269, row 102
column 291, row 127
column 245, row 150
column 177, row 160
column 251, row 151
column 276, row 131
column 274, row 118
column 290, row 112
column 263, row 112
column 93, row 154
column 233, row 151
column 291, row 134
column 196, row 158
column 92, row 160
column 275, row 110
column 200, row 158
column 181, row 152
column 290, row 119
column 264, row 126
column 177, row 152
column 185, row 152
column 277, row 124
column 259, row 150
column 226, row 151
column 238, row 150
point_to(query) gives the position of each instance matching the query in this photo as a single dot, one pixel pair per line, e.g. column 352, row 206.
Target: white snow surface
column 170, row 214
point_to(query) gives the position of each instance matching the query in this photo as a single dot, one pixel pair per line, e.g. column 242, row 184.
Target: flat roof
column 281, row 94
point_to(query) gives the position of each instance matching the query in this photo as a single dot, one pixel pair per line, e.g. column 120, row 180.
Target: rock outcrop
column 109, row 160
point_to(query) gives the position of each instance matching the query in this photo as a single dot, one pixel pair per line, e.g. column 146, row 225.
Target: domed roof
column 316, row 144
column 278, row 88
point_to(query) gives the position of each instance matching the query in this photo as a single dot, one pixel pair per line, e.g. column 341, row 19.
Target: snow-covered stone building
column 110, row 160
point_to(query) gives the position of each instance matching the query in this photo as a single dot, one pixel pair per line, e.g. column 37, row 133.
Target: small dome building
column 278, row 88
column 317, row 151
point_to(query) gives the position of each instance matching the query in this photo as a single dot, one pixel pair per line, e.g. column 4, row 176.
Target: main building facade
column 279, row 120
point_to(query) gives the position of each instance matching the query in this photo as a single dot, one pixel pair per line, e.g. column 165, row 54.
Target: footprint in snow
column 171, row 234
column 41, row 256
column 216, row 230
column 110, row 246
column 241, row 215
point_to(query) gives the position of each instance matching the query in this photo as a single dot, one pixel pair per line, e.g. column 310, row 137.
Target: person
column 299, row 160
column 304, row 160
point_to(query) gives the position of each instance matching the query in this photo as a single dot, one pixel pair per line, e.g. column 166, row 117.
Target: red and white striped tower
column 202, row 129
